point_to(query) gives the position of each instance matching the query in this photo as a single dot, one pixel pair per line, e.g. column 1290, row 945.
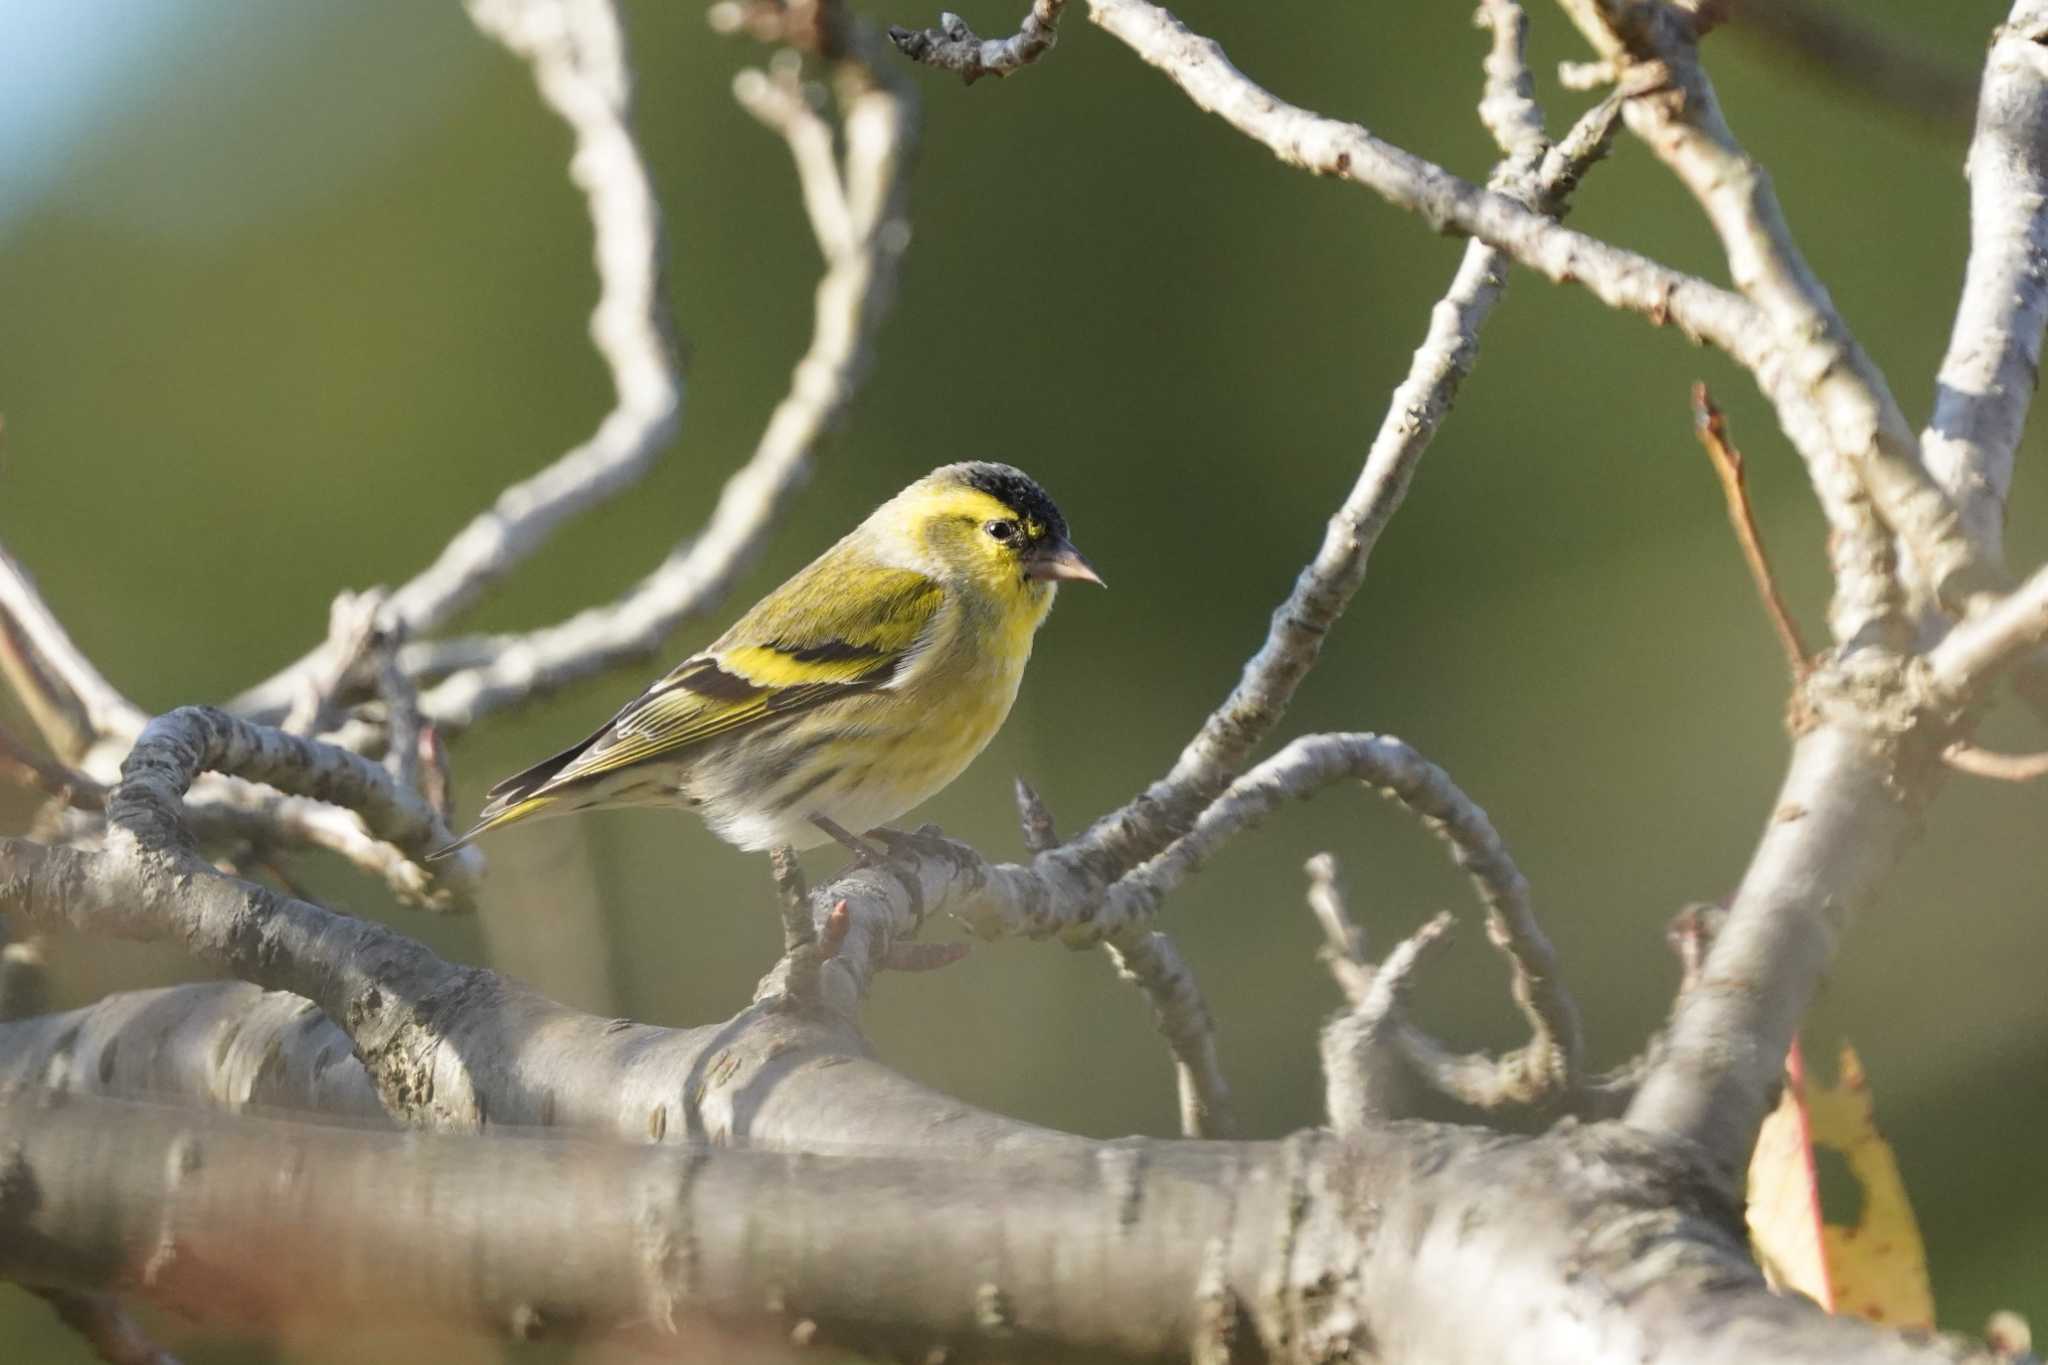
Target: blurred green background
column 290, row 290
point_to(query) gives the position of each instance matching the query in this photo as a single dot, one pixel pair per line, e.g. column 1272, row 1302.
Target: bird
column 849, row 695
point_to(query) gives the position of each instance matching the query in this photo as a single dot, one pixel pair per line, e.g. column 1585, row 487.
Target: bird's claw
column 925, row 839
column 864, row 853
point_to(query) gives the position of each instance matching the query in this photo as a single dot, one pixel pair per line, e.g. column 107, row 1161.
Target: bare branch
column 1366, row 1076
column 175, row 748
column 1508, row 108
column 354, row 639
column 99, row 1318
column 577, row 51
column 1377, row 1063
column 1396, row 770
column 781, row 103
column 220, row 809
column 1621, row 279
column 70, row 701
column 953, row 46
column 1322, row 1249
column 999, row 900
column 794, row 893
column 1841, row 817
column 1152, row 962
column 1040, row 833
column 24, row 767
column 1712, row 431
column 1818, row 364
column 1325, row 586
column 860, row 212
column 1968, row 758
column 1993, row 638
column 1994, row 353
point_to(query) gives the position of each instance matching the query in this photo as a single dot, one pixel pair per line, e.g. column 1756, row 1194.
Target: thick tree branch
column 578, row 54
column 1306, row 1250
column 1848, row 804
column 99, row 1319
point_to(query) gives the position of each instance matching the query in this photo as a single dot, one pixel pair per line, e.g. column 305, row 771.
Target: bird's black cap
column 1012, row 487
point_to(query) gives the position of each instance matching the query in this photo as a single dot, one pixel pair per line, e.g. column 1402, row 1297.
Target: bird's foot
column 926, row 840
column 864, row 853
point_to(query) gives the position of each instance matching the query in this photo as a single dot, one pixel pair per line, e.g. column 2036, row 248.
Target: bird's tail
column 493, row 815
column 519, row 797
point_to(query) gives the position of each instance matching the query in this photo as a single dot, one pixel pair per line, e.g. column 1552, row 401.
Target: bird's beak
column 1058, row 559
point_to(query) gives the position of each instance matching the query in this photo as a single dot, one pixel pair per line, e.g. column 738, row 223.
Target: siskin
column 848, row 695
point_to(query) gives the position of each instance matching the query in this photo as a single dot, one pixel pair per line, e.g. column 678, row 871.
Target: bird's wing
column 821, row 637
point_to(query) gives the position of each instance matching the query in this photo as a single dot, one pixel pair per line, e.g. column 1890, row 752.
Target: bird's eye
column 1003, row 531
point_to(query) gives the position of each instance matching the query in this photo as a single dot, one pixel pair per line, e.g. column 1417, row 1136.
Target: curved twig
column 859, row 209
column 1300, row 624
column 577, row 51
column 175, row 748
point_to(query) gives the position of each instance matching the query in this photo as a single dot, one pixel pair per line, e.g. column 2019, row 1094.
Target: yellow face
column 978, row 535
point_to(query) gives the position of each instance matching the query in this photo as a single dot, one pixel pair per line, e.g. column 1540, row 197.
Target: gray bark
column 777, row 1176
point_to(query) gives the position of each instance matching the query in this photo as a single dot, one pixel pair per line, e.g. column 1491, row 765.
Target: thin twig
column 1014, row 901
column 1344, row 944
column 1377, row 1062
column 953, row 46
column 1712, row 430
column 1040, row 833
column 1996, row 636
column 71, row 702
column 1508, row 107
column 578, row 54
column 60, row 782
column 868, row 195
column 1301, row 623
column 1366, row 1074
column 1151, row 961
column 1968, row 758
column 794, row 894
column 354, row 639
column 1619, row 278
column 1817, row 368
